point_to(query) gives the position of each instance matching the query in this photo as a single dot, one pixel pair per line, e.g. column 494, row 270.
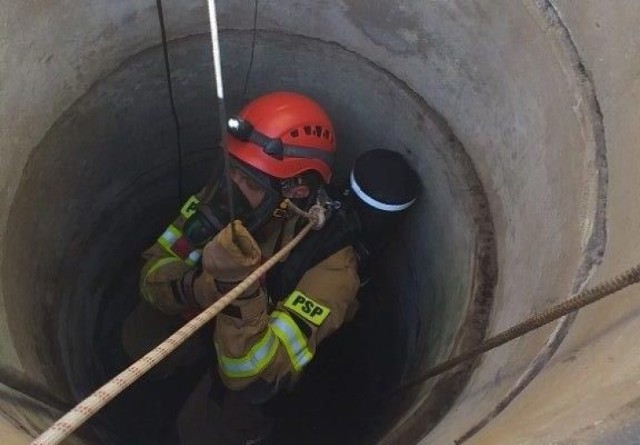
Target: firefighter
column 281, row 146
column 382, row 186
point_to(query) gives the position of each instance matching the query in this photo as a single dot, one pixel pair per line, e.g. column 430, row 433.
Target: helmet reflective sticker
column 374, row 202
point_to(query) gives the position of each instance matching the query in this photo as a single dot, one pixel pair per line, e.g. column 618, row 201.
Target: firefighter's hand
column 230, row 257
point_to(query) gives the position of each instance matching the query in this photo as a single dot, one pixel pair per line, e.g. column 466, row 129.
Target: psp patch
column 307, row 308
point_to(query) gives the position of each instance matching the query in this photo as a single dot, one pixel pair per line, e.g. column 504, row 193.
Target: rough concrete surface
column 520, row 116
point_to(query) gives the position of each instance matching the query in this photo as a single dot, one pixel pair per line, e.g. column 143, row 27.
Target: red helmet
column 283, row 134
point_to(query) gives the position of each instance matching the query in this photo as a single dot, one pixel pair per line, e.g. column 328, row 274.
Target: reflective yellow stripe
column 193, row 258
column 292, row 338
column 190, row 207
column 154, row 267
column 258, row 357
column 168, row 237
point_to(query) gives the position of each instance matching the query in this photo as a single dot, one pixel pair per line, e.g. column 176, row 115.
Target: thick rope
column 88, row 407
column 316, row 213
column 92, row 404
column 580, row 300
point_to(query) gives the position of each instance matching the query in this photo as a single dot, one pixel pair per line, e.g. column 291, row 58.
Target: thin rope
column 245, row 89
column 580, row 300
column 92, row 404
column 174, row 113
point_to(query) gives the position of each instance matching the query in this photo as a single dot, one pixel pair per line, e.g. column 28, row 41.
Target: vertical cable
column 253, row 48
column 174, row 113
column 222, row 112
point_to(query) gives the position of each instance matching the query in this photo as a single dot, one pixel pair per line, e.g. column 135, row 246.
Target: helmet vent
column 318, row 131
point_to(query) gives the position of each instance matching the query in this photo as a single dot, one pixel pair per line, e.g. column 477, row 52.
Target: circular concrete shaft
column 501, row 106
column 120, row 132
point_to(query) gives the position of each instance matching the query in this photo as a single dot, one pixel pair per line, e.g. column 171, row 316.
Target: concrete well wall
column 520, row 117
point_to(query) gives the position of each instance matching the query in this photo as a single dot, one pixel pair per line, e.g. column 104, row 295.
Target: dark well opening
column 102, row 185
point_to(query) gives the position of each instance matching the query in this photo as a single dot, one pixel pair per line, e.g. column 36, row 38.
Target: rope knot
column 318, row 215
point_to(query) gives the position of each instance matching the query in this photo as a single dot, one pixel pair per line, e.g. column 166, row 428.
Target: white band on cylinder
column 375, row 203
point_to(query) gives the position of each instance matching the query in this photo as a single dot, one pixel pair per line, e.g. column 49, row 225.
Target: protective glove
column 226, row 262
column 213, row 213
column 229, row 259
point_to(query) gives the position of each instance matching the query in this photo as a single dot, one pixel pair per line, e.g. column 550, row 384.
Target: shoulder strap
column 337, row 234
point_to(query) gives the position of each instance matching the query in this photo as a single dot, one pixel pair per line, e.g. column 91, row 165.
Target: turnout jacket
column 301, row 301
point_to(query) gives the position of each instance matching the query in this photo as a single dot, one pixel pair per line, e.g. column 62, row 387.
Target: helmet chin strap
column 281, row 210
column 306, row 202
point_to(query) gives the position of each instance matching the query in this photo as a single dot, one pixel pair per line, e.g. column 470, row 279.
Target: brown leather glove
column 226, row 262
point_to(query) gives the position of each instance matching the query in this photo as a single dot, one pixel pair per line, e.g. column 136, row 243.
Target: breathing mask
column 254, row 209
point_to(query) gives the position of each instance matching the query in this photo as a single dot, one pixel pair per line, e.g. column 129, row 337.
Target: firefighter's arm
column 244, row 342
column 170, row 266
column 325, row 297
column 251, row 345
column 226, row 261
